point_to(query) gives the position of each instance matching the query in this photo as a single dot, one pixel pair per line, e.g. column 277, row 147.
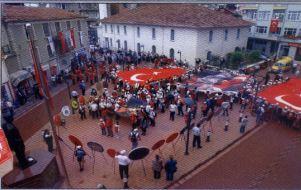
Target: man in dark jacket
column 170, row 168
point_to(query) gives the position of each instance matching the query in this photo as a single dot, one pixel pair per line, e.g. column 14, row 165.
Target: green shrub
column 253, row 56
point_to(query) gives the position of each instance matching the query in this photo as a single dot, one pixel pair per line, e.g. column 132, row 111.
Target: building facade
column 286, row 40
column 58, row 35
column 186, row 42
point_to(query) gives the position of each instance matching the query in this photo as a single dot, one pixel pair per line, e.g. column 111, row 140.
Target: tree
column 253, row 56
column 236, row 58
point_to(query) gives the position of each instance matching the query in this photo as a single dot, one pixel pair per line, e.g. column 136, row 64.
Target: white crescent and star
column 134, row 77
column 279, row 99
column 156, row 73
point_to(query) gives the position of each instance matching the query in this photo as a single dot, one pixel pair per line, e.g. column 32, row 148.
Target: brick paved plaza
column 88, row 130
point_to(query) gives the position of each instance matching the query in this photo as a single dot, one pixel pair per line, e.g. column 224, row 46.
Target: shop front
column 295, row 51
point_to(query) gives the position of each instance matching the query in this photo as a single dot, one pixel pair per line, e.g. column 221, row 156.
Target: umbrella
column 135, row 102
column 188, row 101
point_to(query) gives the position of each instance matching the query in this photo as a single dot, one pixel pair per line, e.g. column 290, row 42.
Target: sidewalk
column 88, row 130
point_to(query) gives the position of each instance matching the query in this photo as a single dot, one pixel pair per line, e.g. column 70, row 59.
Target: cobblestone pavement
column 268, row 159
column 88, row 130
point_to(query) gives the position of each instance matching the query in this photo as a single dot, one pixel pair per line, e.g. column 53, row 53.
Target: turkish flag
column 72, row 37
column 144, row 75
column 274, row 25
column 287, row 94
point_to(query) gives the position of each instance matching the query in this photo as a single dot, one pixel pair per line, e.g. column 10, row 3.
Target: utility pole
column 188, row 132
column 36, row 61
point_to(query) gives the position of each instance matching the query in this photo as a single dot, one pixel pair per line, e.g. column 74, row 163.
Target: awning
column 19, row 76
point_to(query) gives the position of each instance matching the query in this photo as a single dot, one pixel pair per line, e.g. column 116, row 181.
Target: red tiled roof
column 26, row 14
column 177, row 15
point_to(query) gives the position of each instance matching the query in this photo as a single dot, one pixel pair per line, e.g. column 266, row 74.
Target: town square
column 150, row 96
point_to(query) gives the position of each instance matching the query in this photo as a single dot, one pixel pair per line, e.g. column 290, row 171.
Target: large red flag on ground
column 287, row 94
column 274, row 25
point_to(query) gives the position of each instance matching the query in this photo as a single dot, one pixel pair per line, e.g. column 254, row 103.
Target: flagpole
column 37, row 64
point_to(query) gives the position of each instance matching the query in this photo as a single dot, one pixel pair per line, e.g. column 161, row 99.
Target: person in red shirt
column 109, row 126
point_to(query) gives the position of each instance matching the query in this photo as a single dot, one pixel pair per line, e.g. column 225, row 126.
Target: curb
column 182, row 178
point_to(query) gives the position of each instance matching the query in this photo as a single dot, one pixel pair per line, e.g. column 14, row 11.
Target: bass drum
column 66, row 111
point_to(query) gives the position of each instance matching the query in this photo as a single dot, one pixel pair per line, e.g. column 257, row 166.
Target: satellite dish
column 66, row 111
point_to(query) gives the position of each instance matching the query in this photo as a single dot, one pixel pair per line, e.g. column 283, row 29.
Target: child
column 240, row 116
column 102, row 125
column 208, row 135
column 226, row 125
column 80, row 154
column 116, row 129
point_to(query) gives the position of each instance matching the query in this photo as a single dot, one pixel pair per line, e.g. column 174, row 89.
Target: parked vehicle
column 283, row 64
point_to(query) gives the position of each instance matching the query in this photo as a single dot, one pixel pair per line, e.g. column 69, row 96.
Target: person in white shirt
column 94, row 110
column 196, row 131
column 172, row 110
column 123, row 162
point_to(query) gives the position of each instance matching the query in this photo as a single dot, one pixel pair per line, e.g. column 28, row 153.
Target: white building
column 185, row 31
column 287, row 40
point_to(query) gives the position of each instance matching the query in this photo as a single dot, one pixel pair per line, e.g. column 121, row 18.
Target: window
column 138, row 47
column 118, row 29
column 263, row 15
column 111, row 28
column 79, row 27
column 238, row 33
column 138, row 32
column 261, row 29
column 49, row 51
column 226, row 35
column 172, row 35
column 153, row 33
column 118, row 44
column 278, row 14
column 210, row 35
column 68, row 25
column 111, row 42
column 294, row 15
column 124, row 30
column 251, row 14
column 106, row 28
column 209, row 55
column 278, row 31
column 153, row 49
column 46, row 29
column 290, row 31
column 57, row 27
column 172, row 53
column 125, row 45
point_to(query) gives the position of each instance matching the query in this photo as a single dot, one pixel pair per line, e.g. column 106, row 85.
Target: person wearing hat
column 123, row 161
column 80, row 154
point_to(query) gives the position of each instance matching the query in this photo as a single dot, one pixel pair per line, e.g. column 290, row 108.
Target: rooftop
column 27, row 14
column 177, row 15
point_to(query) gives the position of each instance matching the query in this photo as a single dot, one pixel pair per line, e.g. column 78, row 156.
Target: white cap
column 122, row 152
column 78, row 147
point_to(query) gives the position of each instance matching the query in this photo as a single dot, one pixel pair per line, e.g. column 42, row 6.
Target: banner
column 72, row 37
column 63, row 43
column 80, row 37
column 68, row 40
column 6, row 156
column 50, row 41
column 274, row 25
